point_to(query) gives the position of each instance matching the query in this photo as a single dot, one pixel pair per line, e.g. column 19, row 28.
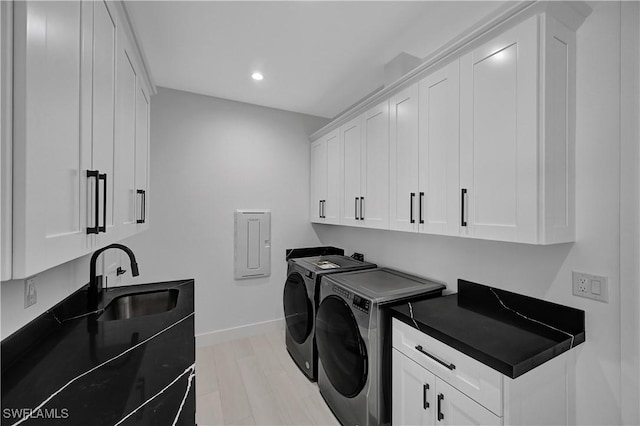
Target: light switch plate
column 591, row 286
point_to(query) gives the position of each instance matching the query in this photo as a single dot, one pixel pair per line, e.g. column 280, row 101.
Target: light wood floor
column 253, row 381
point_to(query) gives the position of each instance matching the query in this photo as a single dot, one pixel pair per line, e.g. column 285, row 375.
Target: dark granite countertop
column 509, row 332
column 68, row 367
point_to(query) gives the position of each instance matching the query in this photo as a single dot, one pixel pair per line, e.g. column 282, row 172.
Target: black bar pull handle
column 411, row 220
column 420, row 201
column 320, row 209
column 440, row 415
column 438, row 360
column 143, row 205
column 96, row 200
column 356, row 209
column 324, row 212
column 425, row 402
column 361, row 208
column 103, row 228
column 463, row 197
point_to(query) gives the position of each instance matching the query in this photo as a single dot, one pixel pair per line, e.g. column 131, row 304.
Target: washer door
column 298, row 310
column 340, row 346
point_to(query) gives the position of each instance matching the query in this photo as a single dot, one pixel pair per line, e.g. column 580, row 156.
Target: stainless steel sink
column 140, row 304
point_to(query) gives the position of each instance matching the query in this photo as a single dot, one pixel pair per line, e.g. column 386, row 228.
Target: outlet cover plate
column 591, row 286
column 30, row 293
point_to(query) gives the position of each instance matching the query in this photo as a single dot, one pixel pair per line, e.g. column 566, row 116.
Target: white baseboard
column 219, row 336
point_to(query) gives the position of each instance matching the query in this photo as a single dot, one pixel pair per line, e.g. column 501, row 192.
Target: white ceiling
column 317, row 57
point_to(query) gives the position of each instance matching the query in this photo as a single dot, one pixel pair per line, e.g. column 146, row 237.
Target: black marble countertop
column 68, row 367
column 508, row 332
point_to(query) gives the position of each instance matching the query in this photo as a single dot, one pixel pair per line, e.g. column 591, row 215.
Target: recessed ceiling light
column 257, row 76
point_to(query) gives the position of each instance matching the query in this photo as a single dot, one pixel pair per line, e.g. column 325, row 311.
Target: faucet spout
column 93, row 279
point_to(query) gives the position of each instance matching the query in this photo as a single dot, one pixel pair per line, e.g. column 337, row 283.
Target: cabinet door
column 142, row 157
column 403, row 157
column 125, row 138
column 375, row 167
column 439, row 200
column 318, row 179
column 412, row 392
column 51, row 154
column 498, row 136
column 331, row 205
column 455, row 408
column 103, row 138
column 351, row 142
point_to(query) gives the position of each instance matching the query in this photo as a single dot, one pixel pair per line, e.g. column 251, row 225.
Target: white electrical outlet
column 594, row 287
column 30, row 293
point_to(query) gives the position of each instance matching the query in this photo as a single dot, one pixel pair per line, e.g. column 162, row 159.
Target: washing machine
column 300, row 301
column 353, row 337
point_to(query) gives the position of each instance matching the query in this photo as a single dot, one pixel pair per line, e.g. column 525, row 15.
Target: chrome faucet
column 93, row 279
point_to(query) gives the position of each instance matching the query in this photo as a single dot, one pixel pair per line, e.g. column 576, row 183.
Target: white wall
column 545, row 272
column 210, row 157
column 52, row 287
column 630, row 212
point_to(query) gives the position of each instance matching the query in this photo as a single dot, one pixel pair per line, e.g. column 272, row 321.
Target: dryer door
column 298, row 310
column 340, row 347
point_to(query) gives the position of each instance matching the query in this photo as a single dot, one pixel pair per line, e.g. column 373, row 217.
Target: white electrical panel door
column 252, row 254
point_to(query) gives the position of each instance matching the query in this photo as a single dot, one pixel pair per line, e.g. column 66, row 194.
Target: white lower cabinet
column 421, row 398
column 434, row 384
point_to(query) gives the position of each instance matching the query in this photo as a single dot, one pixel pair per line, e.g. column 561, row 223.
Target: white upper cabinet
column 364, row 169
column 325, row 179
column 142, row 157
column 374, row 206
column 515, row 173
column 51, row 155
column 438, row 199
column 103, row 136
column 480, row 146
column 403, row 160
column 132, row 142
column 331, row 202
column 126, row 137
column 67, row 141
column 318, row 178
column 351, row 170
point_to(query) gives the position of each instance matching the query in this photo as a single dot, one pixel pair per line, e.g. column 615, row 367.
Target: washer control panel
column 361, row 304
column 358, row 302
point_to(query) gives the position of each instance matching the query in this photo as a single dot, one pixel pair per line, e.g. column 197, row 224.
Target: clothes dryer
column 353, row 339
column 300, row 300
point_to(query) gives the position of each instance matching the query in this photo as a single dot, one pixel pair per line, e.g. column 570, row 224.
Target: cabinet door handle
column 436, row 359
column 411, row 220
column 425, row 402
column 143, row 205
column 356, row 209
column 320, row 209
column 463, row 197
column 96, row 200
column 324, row 211
column 440, row 415
column 361, row 208
column 420, row 201
column 103, row 176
